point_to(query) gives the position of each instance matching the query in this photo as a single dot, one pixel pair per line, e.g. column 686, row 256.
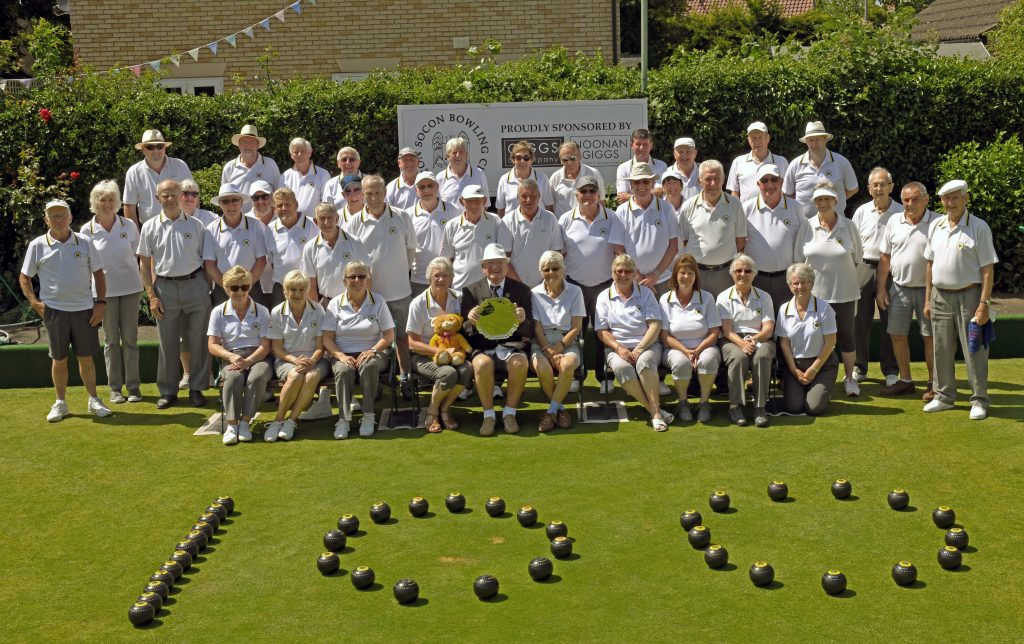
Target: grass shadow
column 416, row 603
column 728, row 510
column 390, row 521
column 552, row 579
column 375, row 587
column 961, row 568
column 182, row 581
column 909, row 509
column 465, row 510
column 574, row 556
column 775, row 585
column 968, row 549
column 155, row 623
column 430, row 514
column 846, row 594
column 788, row 499
column 340, row 572
column 917, row 585
column 497, row 599
column 728, row 567
column 849, row 499
column 841, row 408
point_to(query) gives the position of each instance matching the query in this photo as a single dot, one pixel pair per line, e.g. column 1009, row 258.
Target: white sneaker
column 287, row 430
column 607, row 387
column 183, row 383
column 244, row 435
column 851, row 386
column 58, row 411
column 574, row 387
column 320, row 409
column 891, row 380
column 858, row 375
column 366, row 426
column 341, row 429
column 978, row 412
column 270, row 435
column 97, row 408
column 937, row 405
column 498, row 393
column 664, row 390
column 230, row 435
column 354, row 406
column 464, row 394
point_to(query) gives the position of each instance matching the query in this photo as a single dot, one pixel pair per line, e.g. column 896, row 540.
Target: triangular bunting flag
column 194, row 53
column 248, row 32
column 176, row 59
column 297, row 7
column 265, row 23
column 231, row 39
column 213, row 47
column 312, row 2
column 280, row 15
column 137, row 70
column 155, row 64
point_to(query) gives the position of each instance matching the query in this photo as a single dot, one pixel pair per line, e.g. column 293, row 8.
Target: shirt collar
column 229, row 311
column 50, row 241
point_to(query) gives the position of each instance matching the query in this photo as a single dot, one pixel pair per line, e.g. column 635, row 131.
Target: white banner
column 601, row 128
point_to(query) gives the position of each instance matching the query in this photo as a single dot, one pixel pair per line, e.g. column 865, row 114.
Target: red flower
column 45, row 114
column 74, row 176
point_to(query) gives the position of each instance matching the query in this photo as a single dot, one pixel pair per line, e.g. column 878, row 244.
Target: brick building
column 337, row 39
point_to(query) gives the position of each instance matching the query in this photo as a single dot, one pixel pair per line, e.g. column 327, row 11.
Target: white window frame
column 188, row 85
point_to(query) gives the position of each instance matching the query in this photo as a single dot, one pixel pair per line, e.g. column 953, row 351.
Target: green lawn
column 91, row 508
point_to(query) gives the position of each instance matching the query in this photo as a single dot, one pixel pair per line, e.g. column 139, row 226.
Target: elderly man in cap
column 250, row 166
column 66, row 264
column 466, row 236
column 234, row 239
column 773, row 221
column 870, row 220
column 459, row 174
column 171, row 248
column 287, row 235
column 685, row 152
column 640, row 142
column 140, row 201
column 958, row 285
column 534, row 230
column 817, row 164
column 263, row 209
column 305, row 179
column 647, row 229
column 563, row 180
column 742, row 181
column 352, row 193
column 901, row 256
column 510, row 354
column 713, row 228
column 429, row 217
column 401, row 191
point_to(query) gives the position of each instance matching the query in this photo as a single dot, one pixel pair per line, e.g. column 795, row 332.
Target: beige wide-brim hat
column 641, row 171
column 152, row 136
column 249, row 130
column 815, row 128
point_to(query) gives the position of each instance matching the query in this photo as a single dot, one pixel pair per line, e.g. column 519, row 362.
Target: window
column 348, row 76
column 194, row 86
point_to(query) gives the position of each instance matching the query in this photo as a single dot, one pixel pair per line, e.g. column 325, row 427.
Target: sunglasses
column 189, row 193
column 769, row 180
column 352, row 191
column 522, row 157
column 568, row 159
column 551, row 269
column 356, row 277
column 348, row 159
column 153, row 147
column 743, row 271
column 261, row 197
column 230, row 200
column 235, row 288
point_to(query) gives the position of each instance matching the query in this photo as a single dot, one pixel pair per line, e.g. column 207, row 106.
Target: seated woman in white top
column 748, row 346
column 558, row 311
column 628, row 321
column 296, row 336
column 689, row 330
column 358, row 330
column 449, row 379
column 238, row 335
column 806, row 329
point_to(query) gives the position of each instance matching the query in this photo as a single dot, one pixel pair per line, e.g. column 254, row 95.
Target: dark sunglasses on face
column 743, row 271
column 352, row 191
column 355, row 277
column 522, row 157
column 568, row 159
column 239, row 287
column 154, row 147
column 261, row 197
column 189, row 193
column 348, row 159
column 769, row 180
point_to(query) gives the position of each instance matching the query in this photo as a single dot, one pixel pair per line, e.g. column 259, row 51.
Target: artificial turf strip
column 90, row 509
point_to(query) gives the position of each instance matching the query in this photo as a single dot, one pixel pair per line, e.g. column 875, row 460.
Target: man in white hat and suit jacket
column 250, row 166
column 140, row 202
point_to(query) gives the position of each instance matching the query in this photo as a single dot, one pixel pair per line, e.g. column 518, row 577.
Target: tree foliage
column 50, row 45
column 1006, row 41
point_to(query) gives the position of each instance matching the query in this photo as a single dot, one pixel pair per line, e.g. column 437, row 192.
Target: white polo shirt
column 327, row 265
column 743, row 173
column 801, row 178
column 464, row 244
column 558, row 312
column 958, row 254
column 140, row 184
column 308, row 187
column 333, row 194
column 285, row 245
column 65, row 270
column 691, row 183
column 530, row 239
column 645, row 233
column 622, row 173
column 176, row 246
column 424, row 308
column 117, row 248
column 357, row 331
column 689, row 324
column 236, row 333
column 870, row 223
column 771, row 233
column 588, row 255
column 238, row 246
column 204, row 216
column 746, row 318
column 563, row 190
column 904, row 243
column 400, row 194
column 297, row 338
column 508, row 189
column 626, row 318
column 265, row 169
column 391, row 241
column 450, row 185
column 710, row 232
column 345, row 215
column 834, row 256
column 429, row 228
column 806, row 336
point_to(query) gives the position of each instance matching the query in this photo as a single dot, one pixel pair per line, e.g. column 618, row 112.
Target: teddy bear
column 446, row 336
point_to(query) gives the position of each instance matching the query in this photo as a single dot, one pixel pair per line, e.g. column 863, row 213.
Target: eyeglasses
column 642, row 182
column 348, row 159
column 153, row 147
column 586, row 191
column 522, row 157
column 235, row 288
column 230, row 200
column 743, row 271
column 352, row 191
column 189, row 193
column 356, row 277
column 568, row 159
column 260, row 197
column 769, row 180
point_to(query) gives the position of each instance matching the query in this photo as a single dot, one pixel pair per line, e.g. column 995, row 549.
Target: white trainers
column 464, row 394
column 858, row 375
column 574, row 387
column 978, row 412
column 607, row 387
column 341, row 429
column 270, row 435
column 97, row 408
column 891, row 380
column 937, row 405
column 366, row 425
column 287, row 430
column 58, row 411
column 244, row 435
column 664, row 389
column 851, row 386
column 320, row 409
column 183, row 383
column 230, row 435
column 498, row 393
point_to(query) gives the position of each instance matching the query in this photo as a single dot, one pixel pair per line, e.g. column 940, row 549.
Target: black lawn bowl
column 699, row 537
column 485, row 586
column 950, row 557
column 455, row 502
column 495, row 506
column 841, row 489
column 154, row 599
column 406, row 591
column 957, row 537
column 561, row 547
column 898, row 499
column 418, row 506
column 348, row 523
column 716, row 556
column 556, row 529
column 833, row 582
column 183, row 557
column 944, row 516
column 527, row 516
column 164, row 576
column 719, row 501
column 540, row 568
column 362, row 577
column 334, row 540
column 227, row 502
column 205, row 528
column 211, row 518
column 380, row 512
column 218, row 509
column 191, row 547
column 689, row 519
column 328, row 563
column 199, row 537
column 141, row 613
column 174, row 568
column 778, row 491
column 762, row 573
column 904, row 573
column 158, row 587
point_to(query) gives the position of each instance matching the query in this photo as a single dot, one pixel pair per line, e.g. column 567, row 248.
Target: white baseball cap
column 473, row 191
column 684, row 141
column 407, row 150
column 672, row 173
column 768, row 169
column 260, row 186
column 953, row 186
column 757, row 126
column 423, row 176
column 56, row 203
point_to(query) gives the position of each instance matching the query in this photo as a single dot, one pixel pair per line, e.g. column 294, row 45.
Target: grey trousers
column 862, row 330
column 244, row 390
column 186, row 316
column 738, row 364
column 812, row 398
column 951, row 312
column 444, row 377
column 590, row 294
column 715, row 281
column 121, row 341
column 776, row 287
column 345, row 383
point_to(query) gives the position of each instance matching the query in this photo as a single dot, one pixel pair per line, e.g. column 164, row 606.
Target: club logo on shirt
column 639, row 308
column 78, row 254
column 256, row 325
column 346, row 255
column 828, row 173
column 443, row 222
column 245, row 242
column 188, row 235
column 372, row 318
column 488, row 236
column 657, row 222
column 757, row 311
column 817, row 325
column 725, row 218
column 392, row 230
column 603, row 231
column 785, row 222
column 960, row 245
column 839, row 240
column 313, row 324
column 124, row 235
